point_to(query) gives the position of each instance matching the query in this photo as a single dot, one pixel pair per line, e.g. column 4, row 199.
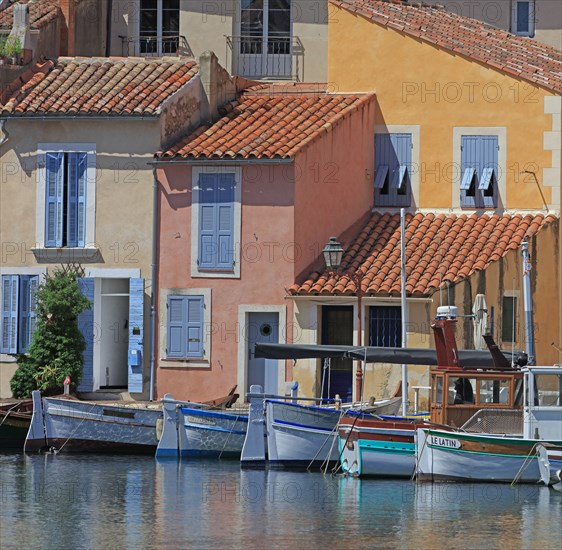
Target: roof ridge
column 519, row 57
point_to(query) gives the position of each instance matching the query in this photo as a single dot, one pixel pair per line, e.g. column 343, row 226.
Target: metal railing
column 256, row 57
column 154, row 46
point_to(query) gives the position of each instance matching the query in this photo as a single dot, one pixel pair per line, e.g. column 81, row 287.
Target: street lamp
column 333, row 254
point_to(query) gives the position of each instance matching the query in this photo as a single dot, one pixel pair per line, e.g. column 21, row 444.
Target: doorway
column 262, row 328
column 337, row 329
column 113, row 333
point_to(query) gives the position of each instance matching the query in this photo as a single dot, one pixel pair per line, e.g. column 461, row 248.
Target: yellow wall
column 419, row 84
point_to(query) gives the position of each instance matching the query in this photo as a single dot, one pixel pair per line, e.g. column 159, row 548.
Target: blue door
column 262, row 328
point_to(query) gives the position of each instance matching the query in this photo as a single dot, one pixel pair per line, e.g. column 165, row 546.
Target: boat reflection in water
column 136, row 501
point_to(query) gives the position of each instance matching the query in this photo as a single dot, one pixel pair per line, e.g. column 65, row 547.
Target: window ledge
column 167, row 363
column 89, row 254
column 8, row 358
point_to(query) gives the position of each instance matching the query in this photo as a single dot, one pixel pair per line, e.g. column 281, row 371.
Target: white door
column 262, row 328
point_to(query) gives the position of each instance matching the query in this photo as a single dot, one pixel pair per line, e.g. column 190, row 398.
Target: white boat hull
column 450, row 456
column 298, row 435
column 83, row 426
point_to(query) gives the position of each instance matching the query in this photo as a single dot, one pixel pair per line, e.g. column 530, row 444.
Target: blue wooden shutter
column 470, row 173
column 28, row 294
column 86, row 326
column 136, row 332
column 54, row 183
column 81, row 208
column 488, row 186
column 225, row 221
column 10, row 298
column 208, row 184
column 72, row 200
column 479, row 171
column 194, row 326
column 401, row 188
column 393, row 155
column 176, row 344
column 76, row 199
column 216, row 221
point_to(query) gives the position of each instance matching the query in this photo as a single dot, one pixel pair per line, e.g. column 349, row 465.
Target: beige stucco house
column 276, row 39
column 76, row 189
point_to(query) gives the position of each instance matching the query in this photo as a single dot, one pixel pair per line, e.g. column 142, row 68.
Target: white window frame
column 237, row 222
column 89, row 240
column 531, row 31
column 501, row 133
column 199, row 362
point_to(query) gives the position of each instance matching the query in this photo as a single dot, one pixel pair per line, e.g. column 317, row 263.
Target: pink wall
column 335, row 184
column 267, row 226
column 288, row 213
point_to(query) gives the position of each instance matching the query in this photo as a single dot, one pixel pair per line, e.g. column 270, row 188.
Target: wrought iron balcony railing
column 275, row 58
column 154, row 46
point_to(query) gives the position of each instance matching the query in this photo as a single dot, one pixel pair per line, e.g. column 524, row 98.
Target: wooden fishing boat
column 301, row 435
column 386, row 447
column 451, row 455
column 70, row 425
column 15, row 418
column 196, row 430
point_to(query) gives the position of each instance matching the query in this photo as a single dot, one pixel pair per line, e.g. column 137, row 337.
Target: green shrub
column 57, row 345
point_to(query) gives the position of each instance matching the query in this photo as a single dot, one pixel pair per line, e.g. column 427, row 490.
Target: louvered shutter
column 54, row 184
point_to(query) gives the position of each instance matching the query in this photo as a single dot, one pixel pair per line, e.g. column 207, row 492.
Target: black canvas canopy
column 409, row 356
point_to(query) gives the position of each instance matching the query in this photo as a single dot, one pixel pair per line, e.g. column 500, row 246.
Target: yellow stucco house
column 467, row 139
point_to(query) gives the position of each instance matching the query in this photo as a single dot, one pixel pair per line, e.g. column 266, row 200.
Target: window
column 494, row 391
column 159, row 27
column 265, row 26
column 523, row 18
column 509, row 312
column 216, row 222
column 185, row 327
column 65, row 203
column 393, row 157
column 385, row 326
column 18, row 312
column 479, row 171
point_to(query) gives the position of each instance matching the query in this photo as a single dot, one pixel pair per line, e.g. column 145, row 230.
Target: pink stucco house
column 245, row 205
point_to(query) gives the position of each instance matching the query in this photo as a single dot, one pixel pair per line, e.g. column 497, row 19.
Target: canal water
column 110, row 502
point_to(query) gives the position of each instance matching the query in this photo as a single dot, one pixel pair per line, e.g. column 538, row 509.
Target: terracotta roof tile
column 97, row 86
column 273, row 125
column 519, row 56
column 41, row 12
column 439, row 249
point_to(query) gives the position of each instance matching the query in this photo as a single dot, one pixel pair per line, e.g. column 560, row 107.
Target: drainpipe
column 153, row 283
column 528, row 305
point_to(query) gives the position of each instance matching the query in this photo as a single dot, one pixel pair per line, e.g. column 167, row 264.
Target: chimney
column 218, row 85
column 20, row 30
column 67, row 27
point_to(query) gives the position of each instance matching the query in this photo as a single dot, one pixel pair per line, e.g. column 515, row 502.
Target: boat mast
column 528, row 305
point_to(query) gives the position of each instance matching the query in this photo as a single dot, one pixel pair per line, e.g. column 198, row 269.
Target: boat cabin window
column 461, row 390
column 494, row 391
column 518, row 392
column 437, row 385
column 549, row 390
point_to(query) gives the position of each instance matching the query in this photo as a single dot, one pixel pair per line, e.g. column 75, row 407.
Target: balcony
column 154, row 46
column 269, row 58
